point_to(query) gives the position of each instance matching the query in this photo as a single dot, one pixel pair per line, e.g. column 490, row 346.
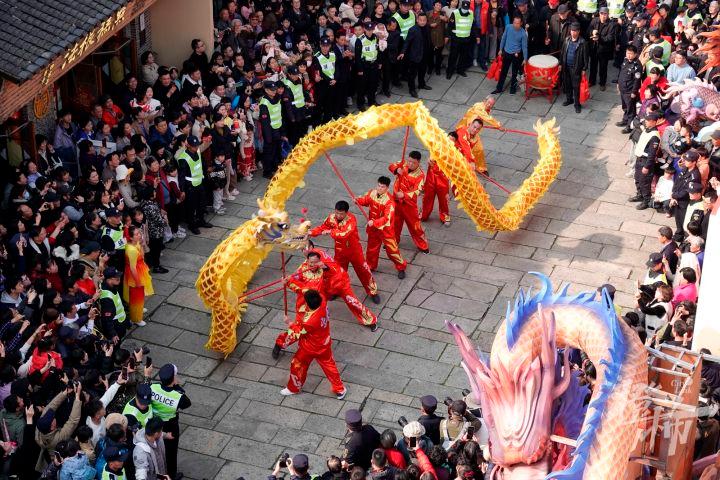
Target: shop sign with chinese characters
column 94, row 39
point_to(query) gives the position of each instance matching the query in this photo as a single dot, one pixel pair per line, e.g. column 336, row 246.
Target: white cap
column 413, row 429
column 121, row 172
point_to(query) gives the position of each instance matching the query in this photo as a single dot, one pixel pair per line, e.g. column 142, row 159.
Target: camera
column 402, row 421
column 284, row 459
column 448, row 401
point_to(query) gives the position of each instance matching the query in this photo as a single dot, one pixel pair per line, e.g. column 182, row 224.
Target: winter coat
column 48, row 441
column 149, row 460
column 77, row 468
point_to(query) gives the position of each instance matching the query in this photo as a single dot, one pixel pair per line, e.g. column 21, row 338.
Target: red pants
column 431, row 190
column 355, row 257
column 407, row 213
column 363, row 315
column 385, row 237
column 301, row 362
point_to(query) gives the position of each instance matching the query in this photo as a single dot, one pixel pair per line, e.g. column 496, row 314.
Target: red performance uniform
column 436, row 184
column 348, row 249
column 466, row 144
column 382, row 231
column 406, row 208
column 311, row 330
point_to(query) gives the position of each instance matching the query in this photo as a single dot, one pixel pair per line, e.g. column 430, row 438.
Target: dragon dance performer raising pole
column 311, row 329
column 341, row 225
column 321, row 273
column 409, row 180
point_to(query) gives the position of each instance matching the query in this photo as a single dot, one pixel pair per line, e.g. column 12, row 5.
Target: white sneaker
column 235, row 192
column 179, row 234
column 144, row 310
column 141, row 323
column 285, row 392
column 228, row 197
column 248, row 178
column 220, row 211
column 341, row 395
column 181, row 229
column 446, row 224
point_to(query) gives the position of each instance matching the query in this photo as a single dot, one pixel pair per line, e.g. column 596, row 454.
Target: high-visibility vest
column 108, row 475
column 652, row 63
column 116, row 235
column 140, row 416
column 666, row 51
column 463, row 24
column 297, row 92
column 643, row 141
column 616, row 7
column 196, row 172
column 120, row 316
column 275, row 111
column 587, row 6
column 327, row 64
column 404, row 23
column 369, row 49
column 164, row 403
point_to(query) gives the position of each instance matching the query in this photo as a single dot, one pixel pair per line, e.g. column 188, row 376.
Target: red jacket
column 164, row 184
column 407, row 182
column 662, row 84
column 466, row 144
column 312, row 329
column 382, row 209
column 345, row 232
column 38, row 361
column 395, row 458
column 436, row 177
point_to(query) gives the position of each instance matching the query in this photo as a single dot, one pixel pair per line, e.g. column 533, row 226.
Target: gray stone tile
column 411, row 345
column 309, row 402
column 276, row 414
column 414, row 367
column 251, row 452
column 195, row 465
column 205, row 400
column 203, row 441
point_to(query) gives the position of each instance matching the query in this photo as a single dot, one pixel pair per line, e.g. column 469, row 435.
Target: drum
column 541, row 72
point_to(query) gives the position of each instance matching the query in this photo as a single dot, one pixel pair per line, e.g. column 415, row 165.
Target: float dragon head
column 274, row 229
column 527, row 396
column 695, row 100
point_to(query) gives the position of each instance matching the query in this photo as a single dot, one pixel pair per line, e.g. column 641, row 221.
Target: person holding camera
column 460, row 426
column 413, row 439
column 297, row 466
column 48, row 434
column 149, row 451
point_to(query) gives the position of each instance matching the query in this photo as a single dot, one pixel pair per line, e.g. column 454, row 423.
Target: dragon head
column 273, row 228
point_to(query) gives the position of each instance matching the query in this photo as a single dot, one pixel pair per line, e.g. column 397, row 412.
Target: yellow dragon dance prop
column 225, row 275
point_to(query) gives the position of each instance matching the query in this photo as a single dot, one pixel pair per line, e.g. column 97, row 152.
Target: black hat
column 604, row 10
column 300, row 461
column 428, row 402
column 270, row 85
column 690, row 156
column 293, row 70
column 563, row 8
column 111, row 212
column 193, row 141
column 114, row 454
column 630, row 7
column 691, row 1
column 575, row 27
column 325, row 41
column 694, row 187
column 521, row 2
column 90, row 247
column 654, row 32
column 167, row 372
column 111, row 272
column 642, row 16
column 368, row 25
column 654, row 259
column 406, row 2
column 465, row 4
column 44, row 423
column 353, row 417
column 653, row 116
column 144, row 393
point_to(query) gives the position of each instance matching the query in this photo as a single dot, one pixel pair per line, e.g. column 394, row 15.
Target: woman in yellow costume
column 137, row 283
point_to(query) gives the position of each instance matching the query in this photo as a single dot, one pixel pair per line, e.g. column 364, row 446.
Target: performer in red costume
column 436, row 184
column 311, row 329
column 381, row 227
column 409, row 180
column 467, row 138
column 320, row 272
column 342, row 227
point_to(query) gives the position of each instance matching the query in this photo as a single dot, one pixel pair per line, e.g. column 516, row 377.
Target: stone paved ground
column 582, row 231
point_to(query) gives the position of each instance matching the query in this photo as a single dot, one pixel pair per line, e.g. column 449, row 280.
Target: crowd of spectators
column 85, row 221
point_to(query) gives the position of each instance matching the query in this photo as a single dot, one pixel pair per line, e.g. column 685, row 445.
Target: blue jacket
column 77, row 468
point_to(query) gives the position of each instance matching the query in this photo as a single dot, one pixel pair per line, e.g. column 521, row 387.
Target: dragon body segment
column 229, row 269
column 523, row 397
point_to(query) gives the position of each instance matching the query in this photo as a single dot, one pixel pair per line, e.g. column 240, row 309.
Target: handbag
column 493, row 72
column 584, row 89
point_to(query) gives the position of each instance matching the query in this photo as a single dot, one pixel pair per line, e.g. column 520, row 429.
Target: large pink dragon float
column 528, row 394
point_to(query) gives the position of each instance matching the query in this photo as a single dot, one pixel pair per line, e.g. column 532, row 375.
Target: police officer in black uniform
column 367, row 66
column 294, row 104
column 273, row 129
column 639, row 30
column 646, row 150
column 629, row 80
column 363, row 440
column 428, row 419
column 680, row 198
